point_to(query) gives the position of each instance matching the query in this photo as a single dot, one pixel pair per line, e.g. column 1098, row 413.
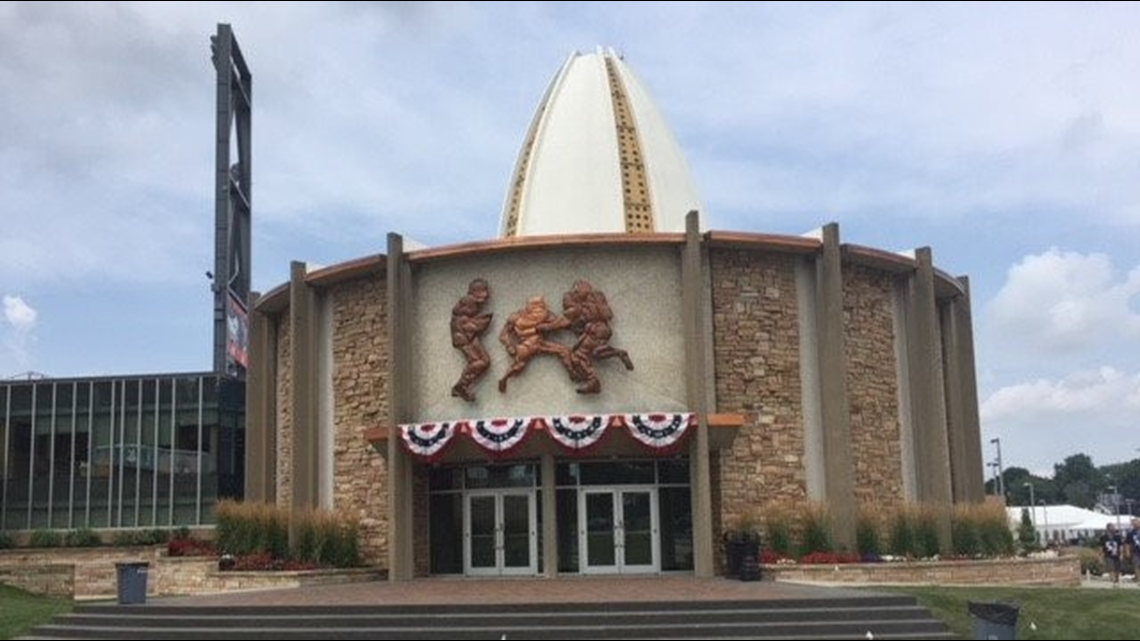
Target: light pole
column 1000, row 481
column 1045, row 517
column 1032, row 504
column 1115, row 504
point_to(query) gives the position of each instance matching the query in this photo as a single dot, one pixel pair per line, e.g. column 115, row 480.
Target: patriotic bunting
column 500, row 434
column 577, row 432
column 428, row 440
column 659, row 431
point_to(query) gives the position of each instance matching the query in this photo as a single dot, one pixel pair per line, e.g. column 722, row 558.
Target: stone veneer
column 90, row 573
column 872, row 384
column 284, row 419
column 360, row 366
column 1062, row 572
column 757, row 374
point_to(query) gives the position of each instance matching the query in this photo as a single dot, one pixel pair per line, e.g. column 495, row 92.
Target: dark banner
column 237, row 336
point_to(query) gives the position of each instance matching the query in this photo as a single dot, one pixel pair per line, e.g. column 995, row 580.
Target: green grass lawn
column 20, row 611
column 1057, row 613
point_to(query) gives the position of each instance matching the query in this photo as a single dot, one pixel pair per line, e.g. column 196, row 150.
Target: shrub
column 126, row 538
column 182, row 532
column 993, row 530
column 867, row 538
column 927, row 536
column 249, row 528
column 1091, row 562
column 965, row 535
column 81, row 538
column 778, row 532
column 326, row 539
column 902, row 536
column 6, row 541
column 815, row 529
column 45, row 539
column 189, row 547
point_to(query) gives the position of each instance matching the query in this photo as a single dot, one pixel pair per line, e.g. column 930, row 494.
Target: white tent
column 1064, row 522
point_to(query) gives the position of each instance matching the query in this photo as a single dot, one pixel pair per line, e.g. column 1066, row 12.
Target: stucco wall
column 872, row 384
column 756, row 354
column 643, row 287
column 360, row 401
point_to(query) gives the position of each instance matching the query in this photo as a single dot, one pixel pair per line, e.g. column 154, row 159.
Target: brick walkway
column 569, row 590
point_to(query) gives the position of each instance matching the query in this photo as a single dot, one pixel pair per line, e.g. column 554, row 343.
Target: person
column 588, row 314
column 1110, row 544
column 524, row 337
column 1132, row 540
column 467, row 326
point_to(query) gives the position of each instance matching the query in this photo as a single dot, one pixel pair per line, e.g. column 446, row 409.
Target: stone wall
column 872, row 384
column 757, row 374
column 1062, row 571
column 49, row 579
column 90, row 573
column 360, row 401
column 284, row 385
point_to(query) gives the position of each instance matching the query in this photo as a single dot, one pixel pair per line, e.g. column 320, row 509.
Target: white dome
column 598, row 158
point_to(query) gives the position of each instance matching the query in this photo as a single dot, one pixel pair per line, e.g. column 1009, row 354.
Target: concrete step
column 852, row 618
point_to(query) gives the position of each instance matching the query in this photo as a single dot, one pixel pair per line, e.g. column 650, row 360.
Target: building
column 640, row 382
column 147, row 450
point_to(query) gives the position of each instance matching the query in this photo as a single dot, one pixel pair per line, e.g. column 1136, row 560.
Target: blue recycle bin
column 996, row 620
column 131, row 581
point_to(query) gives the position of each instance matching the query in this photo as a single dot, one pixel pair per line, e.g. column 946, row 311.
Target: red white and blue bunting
column 578, row 432
column 658, row 431
column 575, row 433
column 500, row 434
column 428, row 440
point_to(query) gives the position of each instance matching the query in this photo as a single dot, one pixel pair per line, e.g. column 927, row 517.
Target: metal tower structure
column 232, row 205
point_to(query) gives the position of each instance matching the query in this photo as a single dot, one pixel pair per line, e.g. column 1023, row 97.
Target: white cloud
column 19, row 332
column 1104, row 390
column 1065, row 302
column 20, row 315
column 1043, row 421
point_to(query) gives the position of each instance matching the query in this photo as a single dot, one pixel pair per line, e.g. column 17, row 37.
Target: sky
column 1004, row 136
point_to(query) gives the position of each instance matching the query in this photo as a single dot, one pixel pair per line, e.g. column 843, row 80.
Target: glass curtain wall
column 147, row 451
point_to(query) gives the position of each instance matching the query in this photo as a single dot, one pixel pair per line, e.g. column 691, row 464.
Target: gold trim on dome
column 634, row 182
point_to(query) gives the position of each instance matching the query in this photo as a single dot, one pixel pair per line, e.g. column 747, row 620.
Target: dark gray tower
column 232, row 205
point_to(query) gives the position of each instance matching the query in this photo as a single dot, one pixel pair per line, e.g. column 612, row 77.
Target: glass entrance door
column 501, row 533
column 618, row 530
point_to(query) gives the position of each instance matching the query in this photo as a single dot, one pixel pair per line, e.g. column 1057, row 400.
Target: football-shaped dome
column 598, row 158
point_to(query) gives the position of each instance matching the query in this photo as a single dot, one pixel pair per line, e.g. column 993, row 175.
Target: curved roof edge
column 946, row 286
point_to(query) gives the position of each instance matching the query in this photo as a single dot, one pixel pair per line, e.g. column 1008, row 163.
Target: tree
column 1078, row 480
column 1026, row 533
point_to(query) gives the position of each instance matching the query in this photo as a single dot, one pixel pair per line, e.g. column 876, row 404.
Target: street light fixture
column 1115, row 503
column 1032, row 504
column 1000, row 481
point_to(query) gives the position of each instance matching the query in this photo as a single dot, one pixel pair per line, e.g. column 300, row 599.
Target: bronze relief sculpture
column 587, row 313
column 524, row 337
column 467, row 327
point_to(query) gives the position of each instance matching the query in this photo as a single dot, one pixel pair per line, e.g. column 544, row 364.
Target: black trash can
column 996, row 620
column 131, row 579
column 742, row 553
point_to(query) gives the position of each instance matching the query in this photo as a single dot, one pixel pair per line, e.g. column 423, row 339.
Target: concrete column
column 302, row 331
column 261, row 411
column 696, row 376
column 931, row 440
column 839, row 475
column 549, row 519
column 972, row 473
column 952, row 392
column 401, row 553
